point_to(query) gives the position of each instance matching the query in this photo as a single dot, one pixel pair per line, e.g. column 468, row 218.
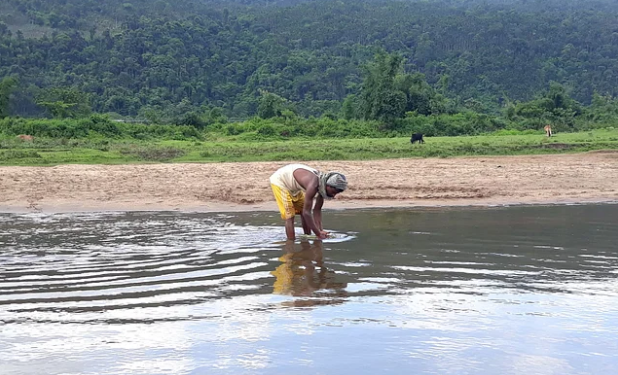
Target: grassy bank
column 53, row 151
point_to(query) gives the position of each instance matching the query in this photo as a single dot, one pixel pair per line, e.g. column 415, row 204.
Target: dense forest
column 186, row 60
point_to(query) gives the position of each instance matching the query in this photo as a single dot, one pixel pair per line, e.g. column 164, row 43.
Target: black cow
column 417, row 137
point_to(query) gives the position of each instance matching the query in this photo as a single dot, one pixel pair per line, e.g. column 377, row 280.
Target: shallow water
column 435, row 291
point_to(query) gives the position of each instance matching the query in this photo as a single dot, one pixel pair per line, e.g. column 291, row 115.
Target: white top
column 284, row 177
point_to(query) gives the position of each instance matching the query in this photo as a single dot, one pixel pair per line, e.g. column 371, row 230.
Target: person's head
column 335, row 184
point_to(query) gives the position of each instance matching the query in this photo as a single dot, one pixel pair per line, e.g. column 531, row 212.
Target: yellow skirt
column 289, row 205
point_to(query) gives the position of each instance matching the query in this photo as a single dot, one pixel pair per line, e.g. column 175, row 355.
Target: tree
column 271, row 105
column 349, row 107
column 64, row 102
column 6, row 87
column 603, row 109
column 388, row 93
column 379, row 98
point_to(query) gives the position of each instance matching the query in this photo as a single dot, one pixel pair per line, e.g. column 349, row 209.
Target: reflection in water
column 435, row 291
column 302, row 274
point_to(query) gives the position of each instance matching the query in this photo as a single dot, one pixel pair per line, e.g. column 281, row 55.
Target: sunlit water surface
column 519, row 290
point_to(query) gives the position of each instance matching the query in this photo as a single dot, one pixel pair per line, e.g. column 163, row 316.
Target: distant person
column 548, row 130
column 296, row 187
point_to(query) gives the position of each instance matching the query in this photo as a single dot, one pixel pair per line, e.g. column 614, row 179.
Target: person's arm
column 317, row 212
column 308, row 216
column 309, row 181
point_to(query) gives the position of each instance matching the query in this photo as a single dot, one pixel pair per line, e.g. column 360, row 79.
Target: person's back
column 284, row 177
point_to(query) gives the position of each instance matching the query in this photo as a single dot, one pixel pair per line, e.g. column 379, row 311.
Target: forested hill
column 135, row 56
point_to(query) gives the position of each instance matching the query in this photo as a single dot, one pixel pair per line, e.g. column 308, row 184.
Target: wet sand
column 228, row 187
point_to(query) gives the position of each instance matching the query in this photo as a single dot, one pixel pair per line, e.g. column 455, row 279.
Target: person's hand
column 323, row 234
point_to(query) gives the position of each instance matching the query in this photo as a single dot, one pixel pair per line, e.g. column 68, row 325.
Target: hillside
column 136, row 57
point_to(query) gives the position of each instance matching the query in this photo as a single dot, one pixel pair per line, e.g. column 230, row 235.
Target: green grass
column 103, row 151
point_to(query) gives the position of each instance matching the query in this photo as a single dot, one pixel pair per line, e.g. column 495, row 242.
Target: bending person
column 296, row 187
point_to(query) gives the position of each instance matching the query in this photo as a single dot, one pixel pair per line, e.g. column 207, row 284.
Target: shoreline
column 267, row 207
column 483, row 181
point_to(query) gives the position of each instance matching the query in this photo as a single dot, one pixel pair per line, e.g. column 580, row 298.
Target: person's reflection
column 302, row 273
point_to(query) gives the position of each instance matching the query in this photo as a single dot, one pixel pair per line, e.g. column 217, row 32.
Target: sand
column 229, row 187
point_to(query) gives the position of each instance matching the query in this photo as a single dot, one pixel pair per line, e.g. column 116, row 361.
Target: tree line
column 204, row 63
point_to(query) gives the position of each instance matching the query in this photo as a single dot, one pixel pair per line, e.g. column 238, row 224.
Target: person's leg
column 286, row 208
column 289, row 229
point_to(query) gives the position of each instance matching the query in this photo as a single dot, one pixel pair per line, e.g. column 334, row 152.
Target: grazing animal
column 417, row 137
column 548, row 130
column 26, row 138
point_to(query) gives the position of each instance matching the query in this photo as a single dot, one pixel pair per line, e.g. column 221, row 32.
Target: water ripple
column 159, row 293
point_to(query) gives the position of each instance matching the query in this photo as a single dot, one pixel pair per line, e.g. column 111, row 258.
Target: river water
column 502, row 290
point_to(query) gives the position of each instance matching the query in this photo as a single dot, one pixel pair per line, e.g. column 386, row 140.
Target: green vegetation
column 177, row 61
column 212, row 80
column 169, row 145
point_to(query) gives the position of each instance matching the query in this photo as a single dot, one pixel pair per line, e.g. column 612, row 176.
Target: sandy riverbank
column 226, row 187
